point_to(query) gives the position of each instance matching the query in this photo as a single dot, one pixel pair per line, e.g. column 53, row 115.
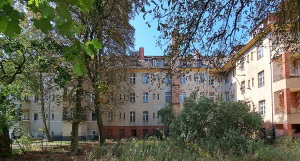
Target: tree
column 41, row 72
column 13, row 56
column 217, row 27
column 107, row 69
column 225, row 126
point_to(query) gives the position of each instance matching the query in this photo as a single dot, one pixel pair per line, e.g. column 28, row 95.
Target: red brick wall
column 114, row 131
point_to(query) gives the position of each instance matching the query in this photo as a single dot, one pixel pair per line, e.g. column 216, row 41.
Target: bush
column 26, row 142
column 228, row 127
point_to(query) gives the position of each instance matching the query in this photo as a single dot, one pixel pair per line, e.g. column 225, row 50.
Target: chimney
column 196, row 54
column 141, row 53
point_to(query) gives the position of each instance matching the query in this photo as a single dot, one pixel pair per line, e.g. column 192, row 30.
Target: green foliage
column 167, row 116
column 48, row 16
column 151, row 149
column 8, row 112
column 26, row 142
column 229, row 127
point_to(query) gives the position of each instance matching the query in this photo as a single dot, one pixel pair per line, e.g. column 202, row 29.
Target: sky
column 146, row 37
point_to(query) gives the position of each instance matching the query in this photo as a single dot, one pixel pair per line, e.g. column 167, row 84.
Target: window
column 251, row 56
column 52, row 116
column 93, row 116
column 132, row 116
column 154, row 63
column 159, row 63
column 124, row 116
column 252, row 82
column 26, row 98
column 227, row 96
column 261, row 81
column 46, row 116
column 153, row 115
column 248, row 84
column 167, row 79
column 243, row 87
column 199, row 64
column 242, row 64
column 145, row 97
column 259, row 52
column 36, row 98
column 109, row 116
column 92, row 97
column 35, row 116
column 168, row 97
column 132, row 97
column 211, row 80
column 182, row 96
column 182, row 79
column 226, row 79
column 145, row 78
column 157, row 96
column 26, row 116
column 154, row 96
column 145, row 116
column 262, row 107
column 132, row 78
column 201, row 77
column 247, row 58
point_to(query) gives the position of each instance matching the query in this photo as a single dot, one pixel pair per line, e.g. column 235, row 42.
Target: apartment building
column 260, row 72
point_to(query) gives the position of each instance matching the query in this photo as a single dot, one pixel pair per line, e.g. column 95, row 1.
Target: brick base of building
column 120, row 132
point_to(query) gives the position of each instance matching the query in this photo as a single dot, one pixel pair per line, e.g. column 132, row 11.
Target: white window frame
column 262, row 107
column 132, row 116
column 145, row 78
column 261, row 79
column 145, row 97
column 182, row 96
column 154, row 63
column 167, row 79
column 227, row 96
column 168, row 97
column 92, row 97
column 243, row 87
column 109, row 116
column 260, row 52
column 201, row 78
column 182, row 78
column 37, row 116
column 132, row 78
column 132, row 97
column 145, row 116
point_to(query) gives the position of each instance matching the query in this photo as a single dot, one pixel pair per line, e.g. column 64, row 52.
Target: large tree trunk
column 98, row 113
column 5, row 149
column 77, row 116
column 46, row 130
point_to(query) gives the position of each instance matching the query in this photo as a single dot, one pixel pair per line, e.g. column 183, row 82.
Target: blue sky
column 146, row 37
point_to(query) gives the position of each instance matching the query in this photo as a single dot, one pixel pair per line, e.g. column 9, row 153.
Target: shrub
column 229, row 127
column 26, row 142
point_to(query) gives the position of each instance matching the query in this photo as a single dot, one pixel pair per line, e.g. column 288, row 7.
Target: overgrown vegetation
column 227, row 127
column 153, row 149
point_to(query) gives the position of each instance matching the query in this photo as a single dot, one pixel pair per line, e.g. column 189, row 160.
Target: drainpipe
column 272, row 97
